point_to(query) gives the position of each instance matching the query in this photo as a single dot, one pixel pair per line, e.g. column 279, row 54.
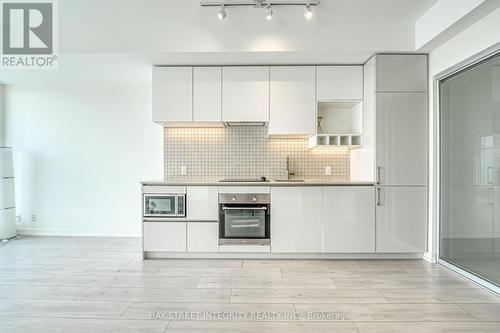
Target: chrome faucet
column 288, row 172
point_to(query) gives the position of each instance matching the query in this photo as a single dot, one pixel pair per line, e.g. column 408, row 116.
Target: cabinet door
column 207, row 94
column 339, row 82
column 165, row 236
column 401, row 72
column 349, row 219
column 172, row 94
column 401, row 138
column 296, row 219
column 245, row 92
column 401, row 216
column 292, row 101
column 202, row 237
column 202, row 203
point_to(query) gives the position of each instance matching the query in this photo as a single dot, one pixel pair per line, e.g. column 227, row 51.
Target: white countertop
column 212, row 182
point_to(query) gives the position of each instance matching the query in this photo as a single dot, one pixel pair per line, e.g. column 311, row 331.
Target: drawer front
column 202, row 237
column 165, row 236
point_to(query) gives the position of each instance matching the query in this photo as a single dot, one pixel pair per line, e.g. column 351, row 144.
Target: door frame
column 436, row 214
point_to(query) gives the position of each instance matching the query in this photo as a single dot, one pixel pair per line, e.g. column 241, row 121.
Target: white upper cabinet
column 296, row 219
column 396, row 72
column 339, row 83
column 207, row 100
column 401, row 217
column 172, row 94
column 245, row 94
column 292, row 100
column 349, row 219
column 401, row 145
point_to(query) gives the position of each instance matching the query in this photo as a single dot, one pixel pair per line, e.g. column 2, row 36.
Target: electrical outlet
column 183, row 170
column 33, row 218
column 328, row 170
column 18, row 219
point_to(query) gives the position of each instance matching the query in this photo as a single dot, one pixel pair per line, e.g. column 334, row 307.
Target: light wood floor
column 63, row 284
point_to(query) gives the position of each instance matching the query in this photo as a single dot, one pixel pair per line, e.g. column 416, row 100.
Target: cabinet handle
column 378, row 175
column 491, row 196
column 379, row 203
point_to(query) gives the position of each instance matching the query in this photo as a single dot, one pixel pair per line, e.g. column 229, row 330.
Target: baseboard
column 79, row 232
column 256, row 255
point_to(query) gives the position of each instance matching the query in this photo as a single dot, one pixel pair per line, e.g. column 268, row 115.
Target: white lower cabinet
column 165, row 236
column 202, row 236
column 349, row 219
column 202, row 203
column 296, row 214
column 401, row 216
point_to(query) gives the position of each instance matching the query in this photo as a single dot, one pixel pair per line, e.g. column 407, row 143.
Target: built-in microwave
column 164, row 205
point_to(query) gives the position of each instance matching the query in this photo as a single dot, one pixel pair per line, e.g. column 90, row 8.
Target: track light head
column 308, row 14
column 222, row 12
column 269, row 13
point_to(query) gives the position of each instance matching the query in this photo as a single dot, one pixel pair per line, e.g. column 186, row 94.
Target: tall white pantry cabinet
column 398, row 95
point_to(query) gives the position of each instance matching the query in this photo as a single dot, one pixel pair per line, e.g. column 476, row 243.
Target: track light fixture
column 269, row 12
column 222, row 12
column 308, row 14
column 267, row 4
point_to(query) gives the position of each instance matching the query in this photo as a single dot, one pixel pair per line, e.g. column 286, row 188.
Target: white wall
column 478, row 37
column 81, row 148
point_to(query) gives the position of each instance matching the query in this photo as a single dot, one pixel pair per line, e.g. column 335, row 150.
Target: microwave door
column 159, row 206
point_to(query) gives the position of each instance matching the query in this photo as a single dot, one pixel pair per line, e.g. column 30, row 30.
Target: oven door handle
column 245, row 226
column 244, row 208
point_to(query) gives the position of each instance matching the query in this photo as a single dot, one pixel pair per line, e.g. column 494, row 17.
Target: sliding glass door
column 470, row 169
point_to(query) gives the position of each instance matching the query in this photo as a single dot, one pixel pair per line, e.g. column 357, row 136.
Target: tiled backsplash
column 214, row 153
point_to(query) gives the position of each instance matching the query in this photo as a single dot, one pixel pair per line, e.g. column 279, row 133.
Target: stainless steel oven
column 244, row 219
column 164, row 205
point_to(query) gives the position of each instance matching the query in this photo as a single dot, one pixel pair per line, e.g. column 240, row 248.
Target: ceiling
column 97, row 34
column 165, row 26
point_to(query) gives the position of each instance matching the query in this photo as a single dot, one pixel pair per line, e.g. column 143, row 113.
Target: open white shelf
column 329, row 141
column 341, row 122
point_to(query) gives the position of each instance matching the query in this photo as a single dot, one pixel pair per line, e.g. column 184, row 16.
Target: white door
column 401, row 220
column 207, row 94
column 348, row 219
column 202, row 236
column 339, row 83
column 165, row 236
column 401, row 138
column 245, row 93
column 292, row 101
column 296, row 218
column 172, row 94
column 202, row 203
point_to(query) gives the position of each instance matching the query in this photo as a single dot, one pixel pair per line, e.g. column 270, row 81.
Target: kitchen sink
column 289, row 180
